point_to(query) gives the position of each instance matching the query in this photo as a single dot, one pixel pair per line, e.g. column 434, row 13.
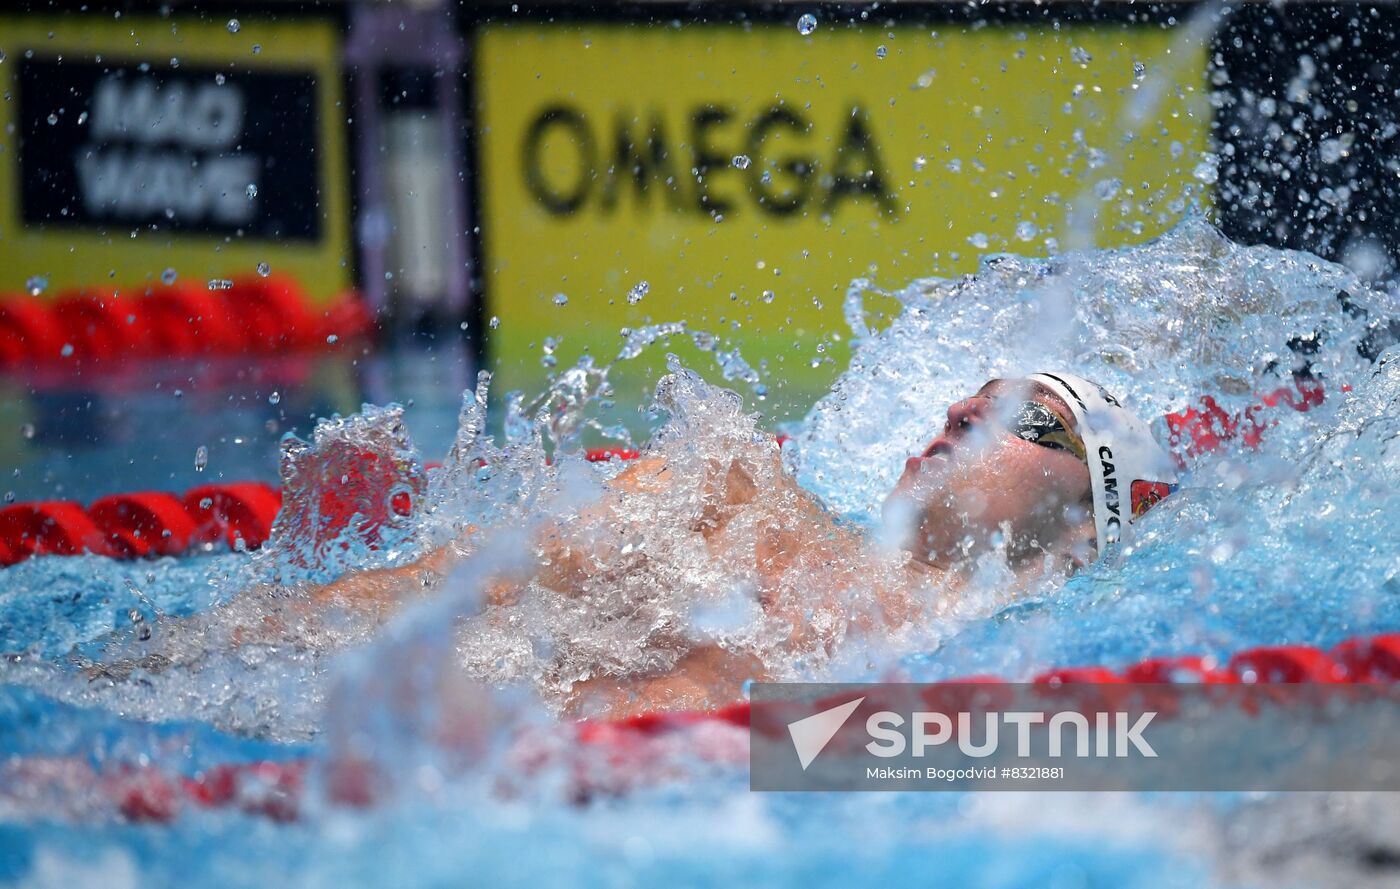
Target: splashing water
column 1293, row 542
column 1189, row 314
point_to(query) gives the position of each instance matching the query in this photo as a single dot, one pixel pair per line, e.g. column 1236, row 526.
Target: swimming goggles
column 1036, row 423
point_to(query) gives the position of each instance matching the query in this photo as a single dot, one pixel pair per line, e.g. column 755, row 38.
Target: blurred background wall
column 538, row 180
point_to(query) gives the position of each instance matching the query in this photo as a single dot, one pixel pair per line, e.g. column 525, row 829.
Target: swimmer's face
column 978, row 483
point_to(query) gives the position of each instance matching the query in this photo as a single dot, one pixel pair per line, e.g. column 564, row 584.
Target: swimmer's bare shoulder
column 647, row 474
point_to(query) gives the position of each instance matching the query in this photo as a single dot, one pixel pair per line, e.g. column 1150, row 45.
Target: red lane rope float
column 186, row 321
column 254, row 315
column 237, row 512
column 1194, row 431
column 156, row 523
column 146, row 523
column 50, row 527
column 625, row 754
column 101, row 325
column 29, row 332
column 1376, row 659
column 270, row 313
column 1187, row 668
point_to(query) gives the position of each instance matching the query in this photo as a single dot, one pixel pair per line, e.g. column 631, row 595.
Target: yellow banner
column 133, row 145
column 740, row 177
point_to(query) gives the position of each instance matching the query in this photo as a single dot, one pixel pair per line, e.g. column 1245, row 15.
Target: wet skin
column 975, row 482
column 973, row 486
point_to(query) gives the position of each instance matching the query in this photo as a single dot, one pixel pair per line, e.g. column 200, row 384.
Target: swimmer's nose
column 963, row 414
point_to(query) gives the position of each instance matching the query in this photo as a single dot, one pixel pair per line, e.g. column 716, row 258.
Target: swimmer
column 1043, row 473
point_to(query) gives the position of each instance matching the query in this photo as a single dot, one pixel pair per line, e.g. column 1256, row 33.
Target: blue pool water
column 1294, row 542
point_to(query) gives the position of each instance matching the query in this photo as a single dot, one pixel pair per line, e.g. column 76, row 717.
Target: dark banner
column 180, row 149
column 1241, row 737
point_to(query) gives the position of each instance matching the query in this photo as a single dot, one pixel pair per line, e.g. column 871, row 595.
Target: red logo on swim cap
column 1145, row 495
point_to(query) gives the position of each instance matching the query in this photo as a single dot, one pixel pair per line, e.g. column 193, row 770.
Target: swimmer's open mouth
column 939, row 447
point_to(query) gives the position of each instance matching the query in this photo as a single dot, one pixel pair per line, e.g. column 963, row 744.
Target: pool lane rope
column 610, row 758
column 245, row 315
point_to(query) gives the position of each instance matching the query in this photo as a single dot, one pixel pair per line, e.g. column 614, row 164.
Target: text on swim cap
column 1110, row 493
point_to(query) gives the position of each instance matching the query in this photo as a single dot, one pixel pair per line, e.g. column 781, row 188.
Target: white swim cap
column 1128, row 471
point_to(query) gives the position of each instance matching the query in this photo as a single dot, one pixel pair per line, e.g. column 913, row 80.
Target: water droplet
column 1329, row 151
column 769, row 296
column 1027, row 230
column 1206, row 171
column 920, row 162
column 36, row 285
column 9, row 495
column 741, row 161
column 494, row 322
column 806, row 24
column 205, row 502
column 332, row 339
column 257, row 48
column 168, row 277
column 219, row 79
column 67, row 350
column 1106, row 189
column 27, row 430
column 201, row 459
column 1139, row 70
column 979, row 240
column 274, row 398
column 251, row 191
column 638, row 291
column 233, row 26
column 560, row 299
column 955, row 166
column 264, row 269
column 1080, row 55
column 220, row 284
column 53, row 119
column 881, row 51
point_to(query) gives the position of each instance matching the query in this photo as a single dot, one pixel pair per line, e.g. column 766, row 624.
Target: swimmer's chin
column 899, row 531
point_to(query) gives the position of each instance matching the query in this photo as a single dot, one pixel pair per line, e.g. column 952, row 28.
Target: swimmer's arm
column 564, row 561
column 381, row 589
column 708, row 677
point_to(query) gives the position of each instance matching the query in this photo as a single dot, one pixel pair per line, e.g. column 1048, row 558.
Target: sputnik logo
column 811, row 734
